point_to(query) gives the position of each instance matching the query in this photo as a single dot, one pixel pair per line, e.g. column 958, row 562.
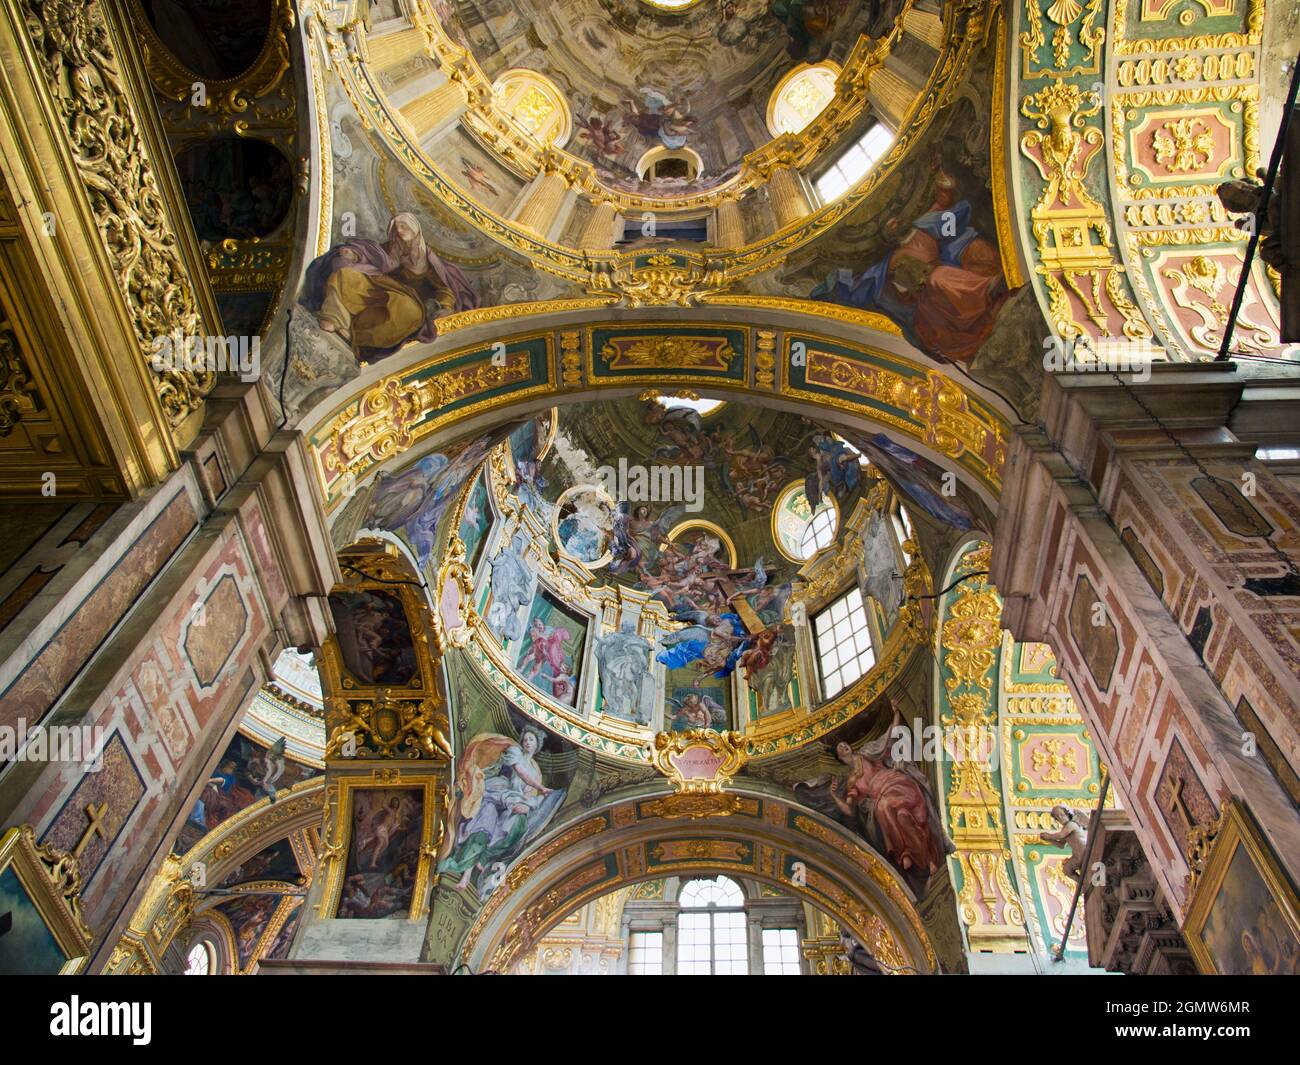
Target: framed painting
column 41, row 931
column 1244, row 916
column 693, row 701
column 380, row 844
column 374, row 637
column 553, row 648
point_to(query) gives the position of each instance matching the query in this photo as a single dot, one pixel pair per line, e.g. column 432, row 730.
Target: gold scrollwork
column 717, row 757
column 388, row 727
column 74, row 48
column 454, row 568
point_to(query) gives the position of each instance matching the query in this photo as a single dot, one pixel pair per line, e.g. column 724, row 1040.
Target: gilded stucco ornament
column 606, row 273
column 74, row 48
column 1071, row 228
column 166, row 909
column 389, row 727
column 663, row 280
column 454, row 569
column 699, row 761
column 233, row 96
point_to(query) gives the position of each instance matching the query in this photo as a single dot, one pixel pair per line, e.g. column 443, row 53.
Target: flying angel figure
column 269, row 769
column 603, row 136
column 638, row 536
column 716, row 642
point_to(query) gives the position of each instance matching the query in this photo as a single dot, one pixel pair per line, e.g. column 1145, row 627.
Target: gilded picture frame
column 340, row 803
column 1244, row 914
column 39, row 890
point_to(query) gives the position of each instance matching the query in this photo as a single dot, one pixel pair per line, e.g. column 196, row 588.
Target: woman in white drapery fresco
column 501, row 803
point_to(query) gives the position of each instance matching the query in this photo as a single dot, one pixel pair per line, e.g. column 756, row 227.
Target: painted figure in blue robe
column 716, row 644
column 837, row 470
column 912, row 476
column 942, row 284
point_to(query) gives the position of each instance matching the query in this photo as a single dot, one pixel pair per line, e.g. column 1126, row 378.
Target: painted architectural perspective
column 650, row 487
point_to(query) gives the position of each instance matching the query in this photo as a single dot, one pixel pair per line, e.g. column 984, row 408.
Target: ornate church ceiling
column 745, row 456
column 638, row 75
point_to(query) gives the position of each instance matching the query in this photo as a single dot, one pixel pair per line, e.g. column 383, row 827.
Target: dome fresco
column 668, row 518
column 639, row 75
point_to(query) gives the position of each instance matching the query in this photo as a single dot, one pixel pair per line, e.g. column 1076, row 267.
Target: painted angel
column 715, row 642
column 603, row 136
column 638, row 536
column 696, row 710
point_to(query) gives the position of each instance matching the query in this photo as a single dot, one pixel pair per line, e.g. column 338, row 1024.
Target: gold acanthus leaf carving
column 74, row 48
column 1063, row 153
column 972, row 633
column 1183, row 145
column 669, row 353
column 662, row 281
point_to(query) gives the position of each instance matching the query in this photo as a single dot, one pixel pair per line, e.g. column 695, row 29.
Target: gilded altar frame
column 340, row 797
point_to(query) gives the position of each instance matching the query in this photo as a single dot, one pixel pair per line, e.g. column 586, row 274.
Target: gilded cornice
column 394, row 414
column 965, row 28
column 521, row 153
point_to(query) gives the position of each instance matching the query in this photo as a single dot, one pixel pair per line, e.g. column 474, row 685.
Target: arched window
column 902, row 526
column 712, row 937
column 661, row 163
column 536, row 104
column 199, row 960
column 820, row 532
column 854, row 164
column 802, row 95
column 843, row 642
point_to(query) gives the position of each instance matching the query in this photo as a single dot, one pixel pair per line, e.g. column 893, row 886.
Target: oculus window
column 803, row 94
column 799, row 531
